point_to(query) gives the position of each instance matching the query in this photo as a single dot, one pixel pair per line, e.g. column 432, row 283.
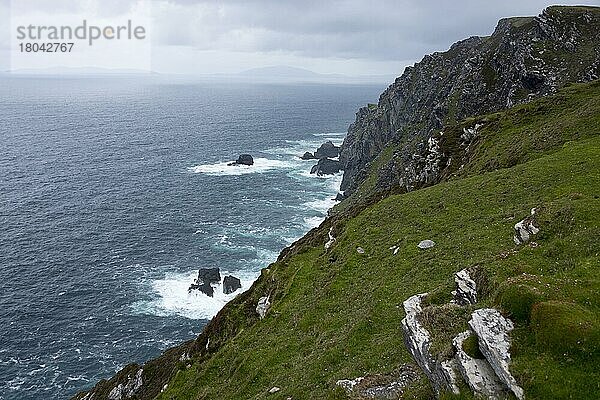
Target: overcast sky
column 355, row 37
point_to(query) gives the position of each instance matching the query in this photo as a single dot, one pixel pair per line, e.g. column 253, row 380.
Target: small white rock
column 426, row 244
column 525, row 228
column 360, row 250
column 274, row 389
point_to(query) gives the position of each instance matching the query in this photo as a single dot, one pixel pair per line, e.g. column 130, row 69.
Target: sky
column 351, row 37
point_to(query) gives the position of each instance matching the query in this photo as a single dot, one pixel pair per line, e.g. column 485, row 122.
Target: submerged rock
column 426, row 244
column 243, row 159
column 327, row 150
column 263, row 306
column 478, row 373
column 231, row 284
column 525, row 228
column 492, row 330
column 326, row 166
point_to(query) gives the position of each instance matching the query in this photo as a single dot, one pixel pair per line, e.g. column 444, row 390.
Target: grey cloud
column 381, row 30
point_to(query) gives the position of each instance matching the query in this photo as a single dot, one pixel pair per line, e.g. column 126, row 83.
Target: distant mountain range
column 271, row 74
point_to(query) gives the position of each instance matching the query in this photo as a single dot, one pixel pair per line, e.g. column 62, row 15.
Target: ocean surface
column 114, row 191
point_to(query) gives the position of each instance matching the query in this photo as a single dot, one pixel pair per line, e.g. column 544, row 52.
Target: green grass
column 337, row 314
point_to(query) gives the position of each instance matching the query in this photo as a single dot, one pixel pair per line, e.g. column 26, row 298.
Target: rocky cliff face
column 525, row 58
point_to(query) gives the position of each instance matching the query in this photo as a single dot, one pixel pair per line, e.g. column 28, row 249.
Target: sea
column 114, row 191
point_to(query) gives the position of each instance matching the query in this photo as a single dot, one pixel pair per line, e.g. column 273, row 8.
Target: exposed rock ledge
column 418, row 343
column 492, row 329
column 488, row 377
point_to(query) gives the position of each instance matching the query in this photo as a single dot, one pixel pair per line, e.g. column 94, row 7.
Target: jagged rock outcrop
column 477, row 373
column 523, row 59
column 326, row 166
column 307, row 156
column 492, row 330
column 466, row 289
column 418, row 342
column 525, row 228
column 128, row 389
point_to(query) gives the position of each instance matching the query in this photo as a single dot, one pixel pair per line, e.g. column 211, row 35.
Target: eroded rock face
column 466, row 289
column 492, row 330
column 129, row 389
column 474, row 77
column 418, row 342
column 478, row 373
column 263, row 306
column 525, row 228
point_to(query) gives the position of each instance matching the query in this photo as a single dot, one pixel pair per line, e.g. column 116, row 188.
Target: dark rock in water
column 327, row 150
column 206, row 278
column 210, row 275
column 204, row 287
column 243, row 159
column 308, row 156
column 231, row 284
column 325, row 166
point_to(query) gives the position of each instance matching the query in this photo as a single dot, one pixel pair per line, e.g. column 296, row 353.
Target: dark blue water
column 113, row 192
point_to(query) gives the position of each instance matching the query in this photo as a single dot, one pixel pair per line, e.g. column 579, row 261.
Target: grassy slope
column 337, row 314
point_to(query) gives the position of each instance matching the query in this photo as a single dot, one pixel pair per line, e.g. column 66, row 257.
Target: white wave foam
column 313, row 222
column 261, row 165
column 173, row 299
column 320, row 205
column 298, row 147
